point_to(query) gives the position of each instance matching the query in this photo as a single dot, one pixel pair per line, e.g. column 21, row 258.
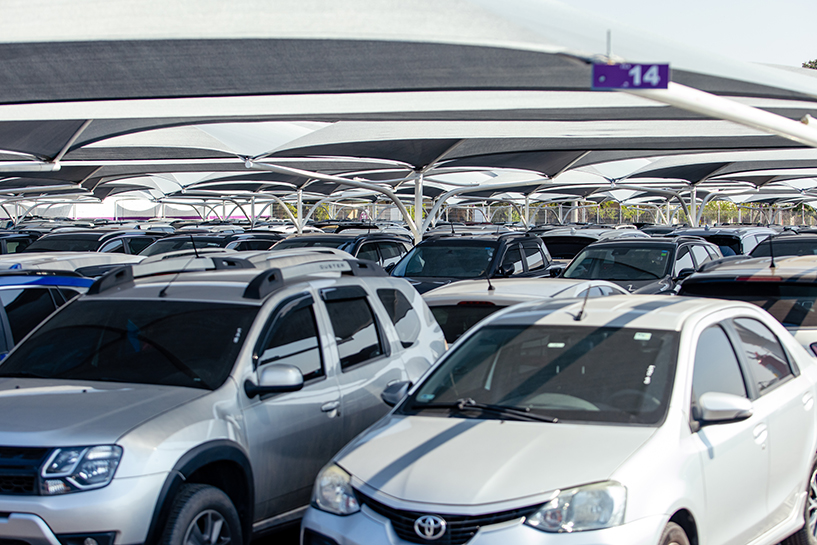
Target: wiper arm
column 467, row 403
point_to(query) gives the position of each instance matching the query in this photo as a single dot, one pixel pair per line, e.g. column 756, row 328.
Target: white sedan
column 618, row 420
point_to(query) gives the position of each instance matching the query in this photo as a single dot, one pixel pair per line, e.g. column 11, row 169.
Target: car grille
column 459, row 528
column 18, row 470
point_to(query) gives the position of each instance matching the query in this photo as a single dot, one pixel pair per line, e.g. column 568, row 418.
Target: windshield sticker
column 556, row 345
column 664, row 252
column 426, row 397
column 237, row 336
column 642, row 336
column 650, row 371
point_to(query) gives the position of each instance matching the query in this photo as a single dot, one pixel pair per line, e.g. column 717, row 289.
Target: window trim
column 755, row 393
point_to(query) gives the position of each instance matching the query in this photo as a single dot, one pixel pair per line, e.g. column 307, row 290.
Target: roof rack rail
column 116, row 278
column 275, row 278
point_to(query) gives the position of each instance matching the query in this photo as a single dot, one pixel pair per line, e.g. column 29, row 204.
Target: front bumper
column 369, row 528
column 125, row 506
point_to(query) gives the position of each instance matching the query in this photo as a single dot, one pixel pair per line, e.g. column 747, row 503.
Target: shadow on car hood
column 41, row 412
column 456, row 461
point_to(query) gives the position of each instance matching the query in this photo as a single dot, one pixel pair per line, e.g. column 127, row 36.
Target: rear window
column 786, row 247
column 621, row 263
column 790, row 303
column 172, row 343
column 173, row 245
column 729, row 245
column 457, row 319
column 64, row 244
column 567, row 247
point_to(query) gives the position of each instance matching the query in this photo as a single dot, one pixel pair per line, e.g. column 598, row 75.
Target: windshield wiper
column 21, row 374
column 465, row 404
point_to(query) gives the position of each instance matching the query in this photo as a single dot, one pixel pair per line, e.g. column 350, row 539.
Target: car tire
column 673, row 535
column 202, row 515
column 807, row 535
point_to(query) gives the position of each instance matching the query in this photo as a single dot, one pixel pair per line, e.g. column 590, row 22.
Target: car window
column 114, row 247
column 716, row 366
column 712, row 253
column 620, row 263
column 14, row 246
column 700, row 254
column 767, row 360
column 67, row 294
column 137, row 244
column 369, row 252
column 447, row 260
column 513, row 260
column 293, row 339
column 355, row 331
column 534, row 259
column 455, row 320
column 391, row 252
column 402, row 314
column 26, row 308
column 683, row 260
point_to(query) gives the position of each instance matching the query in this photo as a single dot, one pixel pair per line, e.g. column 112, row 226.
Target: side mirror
column 719, row 408
column 394, row 392
column 555, row 270
column 505, row 271
column 390, row 267
column 683, row 273
column 275, row 378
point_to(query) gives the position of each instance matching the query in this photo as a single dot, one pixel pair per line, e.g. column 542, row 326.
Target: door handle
column 329, row 407
column 761, row 432
column 808, row 401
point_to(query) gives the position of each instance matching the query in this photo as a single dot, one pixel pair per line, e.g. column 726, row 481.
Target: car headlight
column 590, row 507
column 80, row 468
column 333, row 492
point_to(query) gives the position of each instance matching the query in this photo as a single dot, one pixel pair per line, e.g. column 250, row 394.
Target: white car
column 617, row 420
column 460, row 305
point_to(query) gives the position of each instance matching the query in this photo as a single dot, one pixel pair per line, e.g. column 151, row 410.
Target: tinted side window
column 26, row 309
column 136, row 245
column 293, row 340
column 391, row 252
column 767, row 360
column 355, row 331
column 534, row 258
column 402, row 315
column 716, row 366
column 683, row 260
column 115, row 247
column 513, row 259
column 368, row 251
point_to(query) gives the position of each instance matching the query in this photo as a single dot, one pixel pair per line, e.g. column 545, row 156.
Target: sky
column 764, row 31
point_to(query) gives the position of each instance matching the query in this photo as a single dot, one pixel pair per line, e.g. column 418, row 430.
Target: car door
column 790, row 403
column 364, row 352
column 734, row 456
column 292, row 435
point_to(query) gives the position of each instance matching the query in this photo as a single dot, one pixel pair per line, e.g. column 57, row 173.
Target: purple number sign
column 630, row 76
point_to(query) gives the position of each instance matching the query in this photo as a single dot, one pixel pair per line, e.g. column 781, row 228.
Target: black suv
column 643, row 265
column 445, row 258
column 383, row 248
column 96, row 240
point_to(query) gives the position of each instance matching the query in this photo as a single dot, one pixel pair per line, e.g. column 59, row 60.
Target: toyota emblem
column 430, row 527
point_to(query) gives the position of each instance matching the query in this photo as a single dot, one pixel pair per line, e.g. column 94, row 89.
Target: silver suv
column 186, row 405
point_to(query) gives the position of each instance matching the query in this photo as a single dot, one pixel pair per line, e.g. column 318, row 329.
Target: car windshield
column 173, row 343
column 791, row 303
column 566, row 247
column 621, row 263
column 64, row 244
column 572, row 373
column 175, row 244
column 728, row 244
column 471, row 260
column 342, row 244
column 457, row 319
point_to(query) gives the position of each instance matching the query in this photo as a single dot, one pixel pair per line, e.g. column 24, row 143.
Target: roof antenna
column 771, row 252
column 580, row 315
column 193, row 242
column 490, row 286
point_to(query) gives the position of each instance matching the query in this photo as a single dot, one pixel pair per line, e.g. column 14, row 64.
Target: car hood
column 42, row 412
column 456, row 461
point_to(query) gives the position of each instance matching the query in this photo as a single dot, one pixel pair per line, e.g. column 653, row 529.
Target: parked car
column 460, row 305
column 730, row 240
column 787, row 291
column 618, row 420
column 384, row 249
column 564, row 244
column 445, row 258
column 785, row 245
column 649, row 265
column 12, row 242
column 248, row 240
column 89, row 264
column 165, row 404
column 95, row 240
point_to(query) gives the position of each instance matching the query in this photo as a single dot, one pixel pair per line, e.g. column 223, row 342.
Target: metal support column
column 299, row 212
column 418, row 207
